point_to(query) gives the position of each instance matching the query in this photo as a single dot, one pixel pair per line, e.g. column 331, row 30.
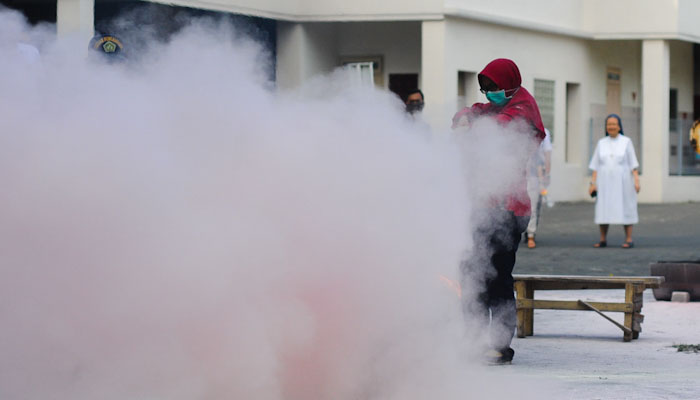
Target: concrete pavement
column 566, row 234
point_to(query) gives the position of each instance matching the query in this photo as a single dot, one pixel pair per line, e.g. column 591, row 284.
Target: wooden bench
column 525, row 286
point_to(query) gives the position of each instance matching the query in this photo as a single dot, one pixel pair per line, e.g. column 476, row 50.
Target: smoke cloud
column 177, row 229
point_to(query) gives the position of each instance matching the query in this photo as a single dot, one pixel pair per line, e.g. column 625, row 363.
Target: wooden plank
column 619, row 325
column 590, row 278
column 629, row 316
column 571, row 305
column 529, row 313
column 648, row 281
column 572, row 285
column 521, row 312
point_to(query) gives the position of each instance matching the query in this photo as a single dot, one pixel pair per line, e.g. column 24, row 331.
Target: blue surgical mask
column 498, row 98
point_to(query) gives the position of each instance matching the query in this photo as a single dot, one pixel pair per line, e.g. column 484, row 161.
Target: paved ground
column 579, row 355
column 576, row 355
column 566, row 234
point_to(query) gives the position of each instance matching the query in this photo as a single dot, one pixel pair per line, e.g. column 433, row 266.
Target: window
column 360, row 65
column 544, row 95
column 361, row 72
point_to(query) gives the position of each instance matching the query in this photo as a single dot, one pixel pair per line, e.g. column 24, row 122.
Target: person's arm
column 633, row 164
column 592, row 187
column 593, row 165
column 547, row 166
column 465, row 115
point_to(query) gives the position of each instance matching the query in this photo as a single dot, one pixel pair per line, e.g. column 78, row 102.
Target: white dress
column 614, row 160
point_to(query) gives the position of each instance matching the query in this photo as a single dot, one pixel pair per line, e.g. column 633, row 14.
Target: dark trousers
column 489, row 269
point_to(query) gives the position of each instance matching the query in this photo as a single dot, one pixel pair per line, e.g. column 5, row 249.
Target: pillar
column 440, row 97
column 76, row 17
column 656, row 60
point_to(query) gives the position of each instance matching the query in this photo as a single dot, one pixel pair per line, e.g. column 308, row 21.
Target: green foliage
column 688, row 348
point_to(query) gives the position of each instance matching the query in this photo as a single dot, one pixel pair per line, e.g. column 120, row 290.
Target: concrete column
column 76, row 17
column 304, row 50
column 291, row 40
column 434, row 75
column 656, row 61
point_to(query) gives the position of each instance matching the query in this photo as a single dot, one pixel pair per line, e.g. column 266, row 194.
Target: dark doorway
column 36, row 11
column 401, row 84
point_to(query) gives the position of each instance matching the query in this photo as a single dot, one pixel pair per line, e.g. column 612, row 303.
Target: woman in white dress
column 615, row 181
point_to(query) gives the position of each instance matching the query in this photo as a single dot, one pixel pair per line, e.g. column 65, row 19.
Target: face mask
column 413, row 107
column 498, row 98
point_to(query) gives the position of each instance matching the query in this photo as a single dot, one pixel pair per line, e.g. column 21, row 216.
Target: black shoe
column 500, row 357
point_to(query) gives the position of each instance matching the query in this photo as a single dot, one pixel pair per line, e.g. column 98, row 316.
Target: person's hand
column 592, row 188
column 461, row 123
column 636, row 183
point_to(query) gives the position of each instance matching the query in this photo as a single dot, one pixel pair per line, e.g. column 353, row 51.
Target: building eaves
column 515, row 23
column 291, row 17
column 578, row 33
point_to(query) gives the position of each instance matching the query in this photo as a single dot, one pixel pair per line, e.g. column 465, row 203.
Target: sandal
column 531, row 243
column 628, row 245
column 601, row 244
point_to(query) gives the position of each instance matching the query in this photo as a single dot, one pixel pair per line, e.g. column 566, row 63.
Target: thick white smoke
column 176, row 229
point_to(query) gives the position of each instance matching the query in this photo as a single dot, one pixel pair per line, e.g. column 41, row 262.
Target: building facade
column 582, row 59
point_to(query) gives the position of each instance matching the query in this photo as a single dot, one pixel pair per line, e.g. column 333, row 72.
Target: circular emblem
column 108, row 44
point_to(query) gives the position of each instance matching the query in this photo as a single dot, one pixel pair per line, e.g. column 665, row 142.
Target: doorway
column 401, row 84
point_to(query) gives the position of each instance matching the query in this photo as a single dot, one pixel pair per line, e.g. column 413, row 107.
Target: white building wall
column 371, row 9
column 566, row 15
column 626, row 55
column 399, row 44
column 308, row 49
column 304, row 50
column 688, row 13
column 602, row 19
column 322, row 10
column 636, row 19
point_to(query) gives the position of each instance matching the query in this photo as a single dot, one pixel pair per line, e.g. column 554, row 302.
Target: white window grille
column 544, row 95
column 361, row 72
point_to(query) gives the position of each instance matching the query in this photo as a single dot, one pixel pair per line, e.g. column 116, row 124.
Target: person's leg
column 603, row 235
column 475, row 305
column 475, row 278
column 500, row 290
column 501, row 301
column 628, row 237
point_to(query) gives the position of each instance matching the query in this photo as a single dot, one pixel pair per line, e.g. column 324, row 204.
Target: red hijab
column 504, row 73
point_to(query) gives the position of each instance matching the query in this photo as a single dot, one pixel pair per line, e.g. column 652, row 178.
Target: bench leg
column 633, row 295
column 524, row 324
column 529, row 314
column 637, row 318
column 520, row 294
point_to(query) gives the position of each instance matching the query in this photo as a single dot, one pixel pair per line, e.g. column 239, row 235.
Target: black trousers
column 489, row 270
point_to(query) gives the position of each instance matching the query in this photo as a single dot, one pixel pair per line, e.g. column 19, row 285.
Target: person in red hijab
column 509, row 104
